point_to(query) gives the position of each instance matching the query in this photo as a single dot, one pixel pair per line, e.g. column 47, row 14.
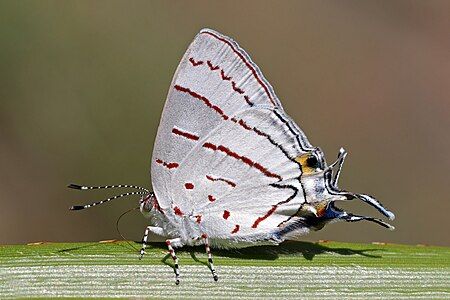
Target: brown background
column 83, row 83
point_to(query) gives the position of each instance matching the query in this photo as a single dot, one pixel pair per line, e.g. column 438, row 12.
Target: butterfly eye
column 312, row 162
column 309, row 163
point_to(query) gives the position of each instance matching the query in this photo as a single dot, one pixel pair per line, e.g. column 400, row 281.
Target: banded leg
column 155, row 230
column 210, row 259
column 174, row 257
column 356, row 218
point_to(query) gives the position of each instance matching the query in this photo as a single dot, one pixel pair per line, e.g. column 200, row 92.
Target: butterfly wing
column 218, row 95
column 241, row 179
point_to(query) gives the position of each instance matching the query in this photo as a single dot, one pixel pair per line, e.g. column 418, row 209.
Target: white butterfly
column 230, row 168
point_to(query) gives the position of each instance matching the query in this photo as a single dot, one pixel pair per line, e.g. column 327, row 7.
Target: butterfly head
column 320, row 183
column 147, row 203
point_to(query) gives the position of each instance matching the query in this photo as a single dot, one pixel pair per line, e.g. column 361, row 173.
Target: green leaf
column 293, row 269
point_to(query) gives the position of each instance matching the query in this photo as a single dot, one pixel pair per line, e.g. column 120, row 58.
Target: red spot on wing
column 211, row 67
column 229, row 182
column 202, row 98
column 177, row 211
column 189, row 185
column 198, row 218
column 171, row 165
column 185, row 134
column 244, row 159
column 247, row 63
column 226, row 214
column 236, row 229
column 195, row 63
column 211, row 198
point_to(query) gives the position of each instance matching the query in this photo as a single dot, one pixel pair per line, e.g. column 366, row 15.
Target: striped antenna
column 83, row 187
column 79, row 207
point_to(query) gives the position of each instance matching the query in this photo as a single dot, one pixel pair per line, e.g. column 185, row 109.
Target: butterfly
column 230, row 168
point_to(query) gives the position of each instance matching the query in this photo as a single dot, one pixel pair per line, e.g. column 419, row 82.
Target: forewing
column 214, row 81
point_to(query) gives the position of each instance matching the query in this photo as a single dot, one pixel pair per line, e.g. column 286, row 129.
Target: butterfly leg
column 210, row 259
column 356, row 218
column 174, row 257
column 155, row 230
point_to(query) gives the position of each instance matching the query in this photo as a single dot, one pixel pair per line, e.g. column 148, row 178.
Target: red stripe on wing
column 244, row 159
column 236, row 229
column 185, row 134
column 241, row 123
column 240, row 91
column 274, row 207
column 248, row 64
column 195, row 63
column 260, row 219
column 227, row 181
column 244, row 125
column 211, row 67
column 223, row 76
column 222, row 73
column 168, row 165
column 210, row 146
column 203, row 99
column 247, row 99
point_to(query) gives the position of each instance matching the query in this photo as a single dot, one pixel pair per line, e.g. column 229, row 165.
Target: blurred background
column 83, row 84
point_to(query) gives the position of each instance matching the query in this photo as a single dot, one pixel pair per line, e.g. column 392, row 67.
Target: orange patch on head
column 321, row 208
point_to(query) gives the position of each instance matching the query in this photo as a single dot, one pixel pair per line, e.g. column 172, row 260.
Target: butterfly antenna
column 83, row 187
column 79, row 207
column 118, row 230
